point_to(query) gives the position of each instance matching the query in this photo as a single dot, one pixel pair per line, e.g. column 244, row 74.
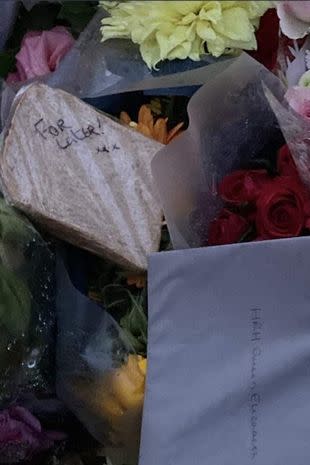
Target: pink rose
column 294, row 18
column 41, row 53
column 299, row 99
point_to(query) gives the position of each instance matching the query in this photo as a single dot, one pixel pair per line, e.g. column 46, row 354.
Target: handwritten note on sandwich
column 83, row 175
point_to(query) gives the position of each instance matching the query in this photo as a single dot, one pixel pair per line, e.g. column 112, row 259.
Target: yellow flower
column 180, row 29
column 118, row 395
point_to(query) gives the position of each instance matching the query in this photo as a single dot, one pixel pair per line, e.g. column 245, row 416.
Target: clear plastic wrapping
column 231, row 123
column 27, row 307
column 93, row 69
column 99, row 376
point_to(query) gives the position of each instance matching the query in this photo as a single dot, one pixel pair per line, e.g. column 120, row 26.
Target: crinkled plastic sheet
column 27, row 308
column 90, row 346
column 296, row 130
column 231, row 122
column 8, row 15
column 94, row 69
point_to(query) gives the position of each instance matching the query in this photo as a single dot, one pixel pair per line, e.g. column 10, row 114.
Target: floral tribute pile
column 265, row 203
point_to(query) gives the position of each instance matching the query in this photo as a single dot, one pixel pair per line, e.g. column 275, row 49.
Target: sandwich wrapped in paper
column 82, row 175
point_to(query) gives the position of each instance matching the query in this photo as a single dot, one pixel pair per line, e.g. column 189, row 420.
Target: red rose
column 286, row 165
column 243, row 186
column 227, row 228
column 280, row 209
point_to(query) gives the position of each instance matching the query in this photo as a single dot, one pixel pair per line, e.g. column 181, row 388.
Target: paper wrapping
column 228, row 373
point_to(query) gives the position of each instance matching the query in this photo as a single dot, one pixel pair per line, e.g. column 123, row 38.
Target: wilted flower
column 180, row 29
column 22, row 436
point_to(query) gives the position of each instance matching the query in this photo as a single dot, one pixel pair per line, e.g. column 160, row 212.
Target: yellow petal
column 205, row 31
column 143, row 365
column 150, row 52
column 235, row 24
column 211, row 11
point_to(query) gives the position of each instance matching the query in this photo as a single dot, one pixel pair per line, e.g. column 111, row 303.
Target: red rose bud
column 280, row 209
column 227, row 228
column 243, row 186
column 286, row 164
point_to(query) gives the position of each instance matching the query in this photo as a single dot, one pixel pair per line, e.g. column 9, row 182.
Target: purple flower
column 22, row 436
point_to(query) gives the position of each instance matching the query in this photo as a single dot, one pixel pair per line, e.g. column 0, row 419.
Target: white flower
column 180, row 29
column 294, row 18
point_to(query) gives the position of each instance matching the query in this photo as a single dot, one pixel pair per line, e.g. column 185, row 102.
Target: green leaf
column 136, row 344
column 15, row 303
column 134, row 323
column 134, row 320
column 13, row 226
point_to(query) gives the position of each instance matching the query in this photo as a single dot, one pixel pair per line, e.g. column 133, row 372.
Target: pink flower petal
column 12, row 78
column 33, row 57
column 299, row 99
column 41, row 53
column 21, row 414
column 59, row 42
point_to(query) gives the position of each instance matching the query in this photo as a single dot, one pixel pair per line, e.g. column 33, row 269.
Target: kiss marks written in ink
column 65, row 135
column 104, row 148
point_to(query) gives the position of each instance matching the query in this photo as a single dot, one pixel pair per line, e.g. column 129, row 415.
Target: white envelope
column 229, row 356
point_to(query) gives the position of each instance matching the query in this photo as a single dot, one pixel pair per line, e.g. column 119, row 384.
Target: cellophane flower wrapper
column 27, row 308
column 296, row 130
column 231, row 123
column 8, row 16
column 93, row 69
column 96, row 371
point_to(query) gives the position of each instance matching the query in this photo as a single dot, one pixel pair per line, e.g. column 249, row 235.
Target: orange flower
column 136, row 280
column 155, row 129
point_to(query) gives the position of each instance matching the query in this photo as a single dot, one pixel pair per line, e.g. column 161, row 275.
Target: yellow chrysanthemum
column 180, row 29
